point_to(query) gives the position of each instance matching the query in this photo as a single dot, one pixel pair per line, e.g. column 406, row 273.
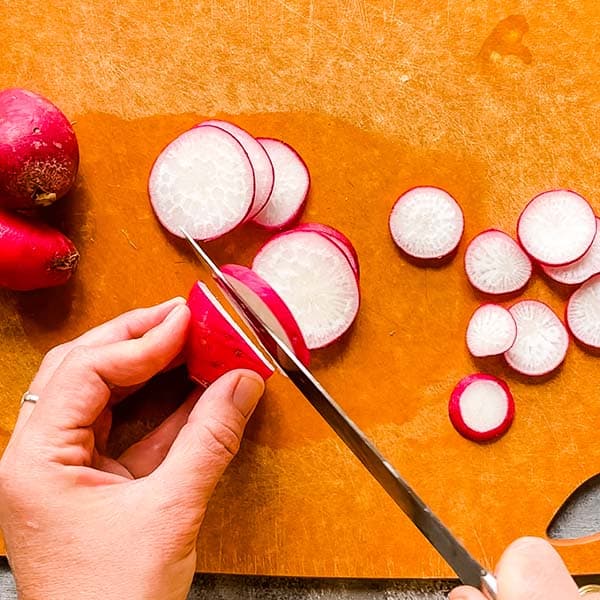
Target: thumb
column 210, row 438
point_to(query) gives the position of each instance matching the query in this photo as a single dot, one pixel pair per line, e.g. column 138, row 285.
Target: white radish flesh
column 583, row 313
column 315, row 280
column 426, row 223
column 492, row 330
column 496, row 264
column 557, row 227
column 290, row 189
column 542, row 340
column 481, row 407
column 202, row 181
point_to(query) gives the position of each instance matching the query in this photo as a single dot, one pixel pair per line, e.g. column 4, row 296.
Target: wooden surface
column 493, row 101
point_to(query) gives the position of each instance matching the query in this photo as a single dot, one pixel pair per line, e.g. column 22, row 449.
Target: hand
column 530, row 569
column 78, row 524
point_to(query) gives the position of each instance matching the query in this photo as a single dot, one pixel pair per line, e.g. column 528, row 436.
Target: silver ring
column 29, row 397
column 589, row 589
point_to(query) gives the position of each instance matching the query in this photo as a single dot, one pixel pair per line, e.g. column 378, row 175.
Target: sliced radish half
column 481, row 407
column 583, row 313
column 202, row 181
column 496, row 264
column 582, row 269
column 338, row 238
column 290, row 189
column 542, row 340
column 492, row 330
column 315, row 280
column 215, row 343
column 557, row 227
column 426, row 223
column 263, row 299
column 261, row 163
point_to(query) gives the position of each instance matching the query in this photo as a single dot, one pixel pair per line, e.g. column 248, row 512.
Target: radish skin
column 33, row 255
column 39, row 154
column 583, row 313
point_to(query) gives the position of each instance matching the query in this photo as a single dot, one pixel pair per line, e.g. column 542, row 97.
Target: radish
column 203, row 181
column 582, row 269
column 426, row 223
column 481, row 407
column 557, row 227
column 495, row 263
column 263, row 299
column 39, row 155
column 542, row 339
column 315, row 280
column 492, row 330
column 215, row 343
column 33, row 255
column 583, row 313
column 261, row 163
column 290, row 190
column 338, row 238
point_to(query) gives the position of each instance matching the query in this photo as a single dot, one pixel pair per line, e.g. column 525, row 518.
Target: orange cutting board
column 493, row 101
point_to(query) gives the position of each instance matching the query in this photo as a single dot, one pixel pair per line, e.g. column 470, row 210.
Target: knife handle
column 489, row 586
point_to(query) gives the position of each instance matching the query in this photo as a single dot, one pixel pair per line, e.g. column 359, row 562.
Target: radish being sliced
column 495, row 263
column 481, row 407
column 263, row 299
column 215, row 343
column 202, row 181
column 290, row 189
column 583, row 313
column 557, row 227
column 582, row 269
column 338, row 238
column 542, row 340
column 315, row 280
column 426, row 223
column 261, row 163
column 492, row 330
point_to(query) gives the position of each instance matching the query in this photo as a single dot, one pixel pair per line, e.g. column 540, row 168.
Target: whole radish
column 39, row 154
column 33, row 255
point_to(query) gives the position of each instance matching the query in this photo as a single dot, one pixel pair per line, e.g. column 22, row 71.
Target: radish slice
column 481, row 407
column 542, row 339
column 582, row 269
column 495, row 263
column 315, row 280
column 263, row 299
column 557, row 227
column 292, row 181
column 338, row 238
column 492, row 330
column 583, row 313
column 261, row 163
column 202, row 181
column 215, row 343
column 426, row 223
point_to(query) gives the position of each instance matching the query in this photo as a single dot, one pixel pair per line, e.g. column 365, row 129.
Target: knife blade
column 468, row 570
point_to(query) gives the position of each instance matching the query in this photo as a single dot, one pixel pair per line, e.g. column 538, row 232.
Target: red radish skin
column 39, row 154
column 262, row 166
column 263, row 299
column 215, row 343
column 542, row 340
column 583, row 313
column 202, row 181
column 481, row 407
column 33, row 255
column 290, row 190
column 496, row 264
column 491, row 331
column 426, row 223
column 557, row 227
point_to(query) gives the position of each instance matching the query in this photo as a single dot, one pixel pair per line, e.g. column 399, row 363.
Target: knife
column 469, row 571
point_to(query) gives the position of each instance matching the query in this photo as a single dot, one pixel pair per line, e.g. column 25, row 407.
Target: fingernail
column 247, row 393
column 175, row 300
column 174, row 313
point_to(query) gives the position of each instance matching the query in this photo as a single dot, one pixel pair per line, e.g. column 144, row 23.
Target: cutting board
column 493, row 101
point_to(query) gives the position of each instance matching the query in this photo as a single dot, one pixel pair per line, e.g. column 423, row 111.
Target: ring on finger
column 589, row 589
column 29, row 397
